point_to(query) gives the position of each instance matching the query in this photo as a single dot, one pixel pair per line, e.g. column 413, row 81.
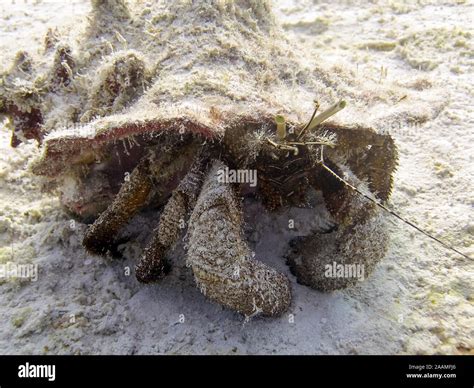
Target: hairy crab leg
column 133, row 195
column 149, row 177
column 152, row 265
column 223, row 265
column 371, row 156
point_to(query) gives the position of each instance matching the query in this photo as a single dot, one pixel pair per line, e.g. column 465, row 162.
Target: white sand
column 420, row 298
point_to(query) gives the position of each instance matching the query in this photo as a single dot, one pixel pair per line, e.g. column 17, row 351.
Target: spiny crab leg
column 151, row 173
column 152, row 265
column 223, row 265
column 133, row 195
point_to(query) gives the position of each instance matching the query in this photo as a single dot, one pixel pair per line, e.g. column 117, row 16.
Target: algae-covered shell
column 131, row 68
column 143, row 69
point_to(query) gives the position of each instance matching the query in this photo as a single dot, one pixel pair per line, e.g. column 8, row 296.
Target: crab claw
column 223, row 265
column 348, row 253
column 341, row 258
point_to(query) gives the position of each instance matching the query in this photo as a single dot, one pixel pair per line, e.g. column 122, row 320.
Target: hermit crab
column 151, row 105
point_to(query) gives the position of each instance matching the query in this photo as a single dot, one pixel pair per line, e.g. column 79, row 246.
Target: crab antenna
column 323, row 116
column 447, row 246
column 302, row 132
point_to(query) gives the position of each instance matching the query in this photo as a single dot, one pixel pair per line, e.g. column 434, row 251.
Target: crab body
column 156, row 102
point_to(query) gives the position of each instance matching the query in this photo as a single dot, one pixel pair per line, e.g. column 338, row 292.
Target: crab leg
column 371, row 156
column 150, row 176
column 152, row 264
column 133, row 195
column 223, row 265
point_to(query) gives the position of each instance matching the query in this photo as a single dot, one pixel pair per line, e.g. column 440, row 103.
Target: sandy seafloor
column 420, row 298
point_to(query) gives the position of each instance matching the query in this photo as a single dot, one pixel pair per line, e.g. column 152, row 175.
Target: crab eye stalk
column 281, row 127
column 323, row 116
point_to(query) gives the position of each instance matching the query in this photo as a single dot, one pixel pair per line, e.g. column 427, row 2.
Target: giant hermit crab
column 168, row 96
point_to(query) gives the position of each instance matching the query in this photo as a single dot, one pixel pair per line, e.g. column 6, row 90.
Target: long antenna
column 447, row 246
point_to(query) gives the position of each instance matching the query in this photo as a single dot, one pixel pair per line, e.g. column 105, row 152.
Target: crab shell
column 131, row 73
